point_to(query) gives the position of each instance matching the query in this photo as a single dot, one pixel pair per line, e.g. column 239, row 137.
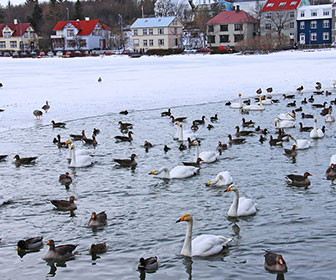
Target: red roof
column 280, row 5
column 19, row 28
column 85, row 27
column 232, row 17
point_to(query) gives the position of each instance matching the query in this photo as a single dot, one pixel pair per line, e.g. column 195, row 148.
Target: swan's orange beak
column 228, row 189
column 151, row 173
column 180, row 220
column 208, row 184
column 48, row 243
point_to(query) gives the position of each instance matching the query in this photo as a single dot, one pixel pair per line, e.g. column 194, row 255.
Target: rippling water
column 142, row 209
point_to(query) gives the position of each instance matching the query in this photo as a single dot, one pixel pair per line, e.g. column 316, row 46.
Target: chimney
column 237, row 8
column 87, row 18
column 233, row 8
column 15, row 21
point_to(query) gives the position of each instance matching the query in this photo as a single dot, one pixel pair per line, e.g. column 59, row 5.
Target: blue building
column 314, row 25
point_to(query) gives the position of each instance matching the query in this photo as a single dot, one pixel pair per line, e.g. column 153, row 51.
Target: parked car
column 205, row 50
column 224, row 49
column 50, row 53
column 189, row 50
column 59, row 53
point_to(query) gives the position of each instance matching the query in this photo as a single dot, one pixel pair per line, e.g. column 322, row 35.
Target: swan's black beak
column 179, row 220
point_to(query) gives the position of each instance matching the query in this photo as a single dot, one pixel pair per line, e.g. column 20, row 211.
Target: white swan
column 301, row 144
column 183, row 135
column 266, row 101
column 222, row 179
column 255, row 107
column 206, row 156
column 203, row 245
column 333, row 159
column 178, row 172
column 329, row 118
column 79, row 161
column 238, row 105
column 284, row 123
column 287, row 116
column 316, row 133
column 241, row 206
column 78, row 152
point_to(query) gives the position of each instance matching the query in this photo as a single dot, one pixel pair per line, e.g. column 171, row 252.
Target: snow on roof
column 152, row 22
column 232, row 17
column 278, row 5
column 18, row 28
column 85, row 27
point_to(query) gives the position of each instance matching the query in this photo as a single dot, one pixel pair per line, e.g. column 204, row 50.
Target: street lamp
column 121, row 31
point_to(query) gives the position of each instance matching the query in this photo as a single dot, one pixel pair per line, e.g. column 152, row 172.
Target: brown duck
column 97, row 219
column 78, row 137
column 291, row 152
column 127, row 162
column 65, row 179
column 236, row 141
column 195, row 164
column 65, row 205
column 27, row 160
column 58, row 124
column 122, row 138
column 299, row 180
column 243, row 132
column 274, row 262
column 59, row 253
column 331, row 172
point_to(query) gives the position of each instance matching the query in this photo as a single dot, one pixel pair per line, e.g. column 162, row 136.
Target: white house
column 81, row 35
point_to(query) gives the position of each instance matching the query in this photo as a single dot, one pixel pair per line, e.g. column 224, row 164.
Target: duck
column 304, row 101
column 261, row 131
column 241, row 206
column 301, row 144
column 33, row 243
column 221, row 147
column 91, row 141
column 98, row 248
column 78, row 137
column 214, row 118
column 305, row 128
column 311, row 99
column 125, row 112
column 206, row 156
column 288, row 96
column 299, row 180
column 97, row 220
column 292, row 104
column 246, row 123
column 259, row 91
column 275, row 141
column 166, row 113
column 46, row 107
column 247, row 101
column 291, row 152
column 210, row 126
column 320, row 105
column 194, row 127
column 299, row 89
column 243, row 132
column 236, row 141
column 269, row 90
column 238, row 105
column 3, row 157
column 61, row 144
column 262, row 139
column 38, row 114
column 28, row 160
column 178, row 172
column 203, row 245
column 274, row 262
column 125, row 125
column 222, row 179
column 228, row 103
column 178, row 119
column 65, row 205
column 58, row 124
column 284, row 123
column 195, row 164
column 59, row 253
column 307, row 116
column 65, row 179
column 298, row 109
column 79, row 161
column 149, row 264
column 331, row 172
column 122, row 138
column 127, row 162
column 166, row 148
column 147, row 145
column 96, row 131
column 100, row 79
column 78, row 152
column 316, row 133
column 201, row 121
column 326, row 111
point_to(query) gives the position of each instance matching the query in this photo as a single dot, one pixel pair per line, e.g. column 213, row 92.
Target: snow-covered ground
column 70, row 84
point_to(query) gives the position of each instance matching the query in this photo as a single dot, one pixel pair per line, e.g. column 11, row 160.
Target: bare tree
column 279, row 20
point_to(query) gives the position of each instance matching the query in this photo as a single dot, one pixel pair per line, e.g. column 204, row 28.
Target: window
column 268, row 26
column 136, row 42
column 70, row 33
column 270, row 5
column 224, row 38
column 151, row 43
column 313, row 24
column 326, row 24
column 150, row 31
column 282, row 4
column 238, row 37
column 211, row 39
column 144, row 31
column 175, row 30
column 325, row 12
column 302, row 25
column 2, row 44
column 97, row 32
column 7, row 34
column 145, row 43
column 302, row 13
column 313, row 13
column 71, row 43
column 13, row 44
column 210, row 28
column 238, row 27
column 291, row 14
column 135, row 32
column 82, row 43
column 25, row 35
column 160, row 31
column 32, row 34
column 313, row 36
column 325, row 36
column 224, row 27
column 176, row 42
column 161, row 42
column 291, row 24
column 293, row 3
column 268, row 15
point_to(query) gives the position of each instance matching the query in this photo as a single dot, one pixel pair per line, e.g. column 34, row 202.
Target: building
column 333, row 27
column 278, row 17
column 18, row 36
column 156, row 33
column 230, row 27
column 314, row 25
column 253, row 7
column 81, row 35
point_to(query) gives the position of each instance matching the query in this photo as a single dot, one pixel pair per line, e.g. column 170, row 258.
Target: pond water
column 142, row 209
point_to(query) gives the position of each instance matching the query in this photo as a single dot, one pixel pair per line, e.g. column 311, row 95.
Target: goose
column 46, row 107
column 307, row 116
column 2, row 157
column 96, row 131
column 299, row 180
column 182, row 147
column 147, row 145
column 91, row 141
column 61, row 144
column 65, row 205
column 149, row 264
column 255, row 107
column 28, row 160
column 201, row 121
column 331, row 172
column 289, row 116
column 289, row 96
column 98, row 248
column 221, row 147
column 65, row 179
column 179, row 119
column 269, row 90
column 78, row 137
column 261, row 131
column 192, row 163
column 301, row 144
column 291, row 152
column 243, row 132
column 246, row 123
column 311, row 99
column 79, row 161
column 318, row 91
column 194, row 127
column 238, row 105
column 79, row 152
column 214, row 118
column 300, row 109
column 203, row 245
column 206, row 156
column 37, row 114
column 166, row 148
column 262, row 139
column 305, row 128
column 33, row 243
column 300, row 89
column 316, row 133
column 97, row 220
column 228, row 103
column 326, row 111
column 329, row 118
column 100, row 79
column 292, row 104
column 127, row 162
column 241, row 206
column 125, row 125
column 59, row 253
column 284, row 123
column 259, row 91
column 125, row 112
column 166, row 113
column 274, row 262
column 236, row 141
column 178, row 172
column 222, row 179
column 320, row 105
column 58, row 124
column 275, row 142
column 122, row 138
column 304, row 101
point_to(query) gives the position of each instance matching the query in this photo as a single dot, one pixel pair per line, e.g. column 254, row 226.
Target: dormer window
column 270, row 5
column 282, row 4
column 293, row 3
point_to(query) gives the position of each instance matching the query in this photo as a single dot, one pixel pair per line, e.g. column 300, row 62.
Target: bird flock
column 242, row 134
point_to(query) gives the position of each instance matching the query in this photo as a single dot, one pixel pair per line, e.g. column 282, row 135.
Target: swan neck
column 197, row 152
column 235, row 202
column 166, row 173
column 187, row 250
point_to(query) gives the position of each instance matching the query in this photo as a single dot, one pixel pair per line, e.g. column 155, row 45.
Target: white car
column 59, row 53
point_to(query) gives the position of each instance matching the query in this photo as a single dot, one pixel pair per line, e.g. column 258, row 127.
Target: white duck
column 79, row 161
column 203, row 245
column 290, row 116
column 78, row 152
column 183, row 135
column 333, row 159
column 238, row 105
column 178, row 172
column 255, row 107
column 316, row 133
column 284, row 123
column 301, row 144
column 241, row 206
column 222, row 179
column 206, row 156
